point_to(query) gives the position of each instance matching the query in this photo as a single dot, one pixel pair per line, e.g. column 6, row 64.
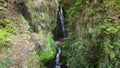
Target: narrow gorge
column 59, row 33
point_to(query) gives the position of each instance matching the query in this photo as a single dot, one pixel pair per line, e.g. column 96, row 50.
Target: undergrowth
column 49, row 53
column 5, row 61
column 93, row 34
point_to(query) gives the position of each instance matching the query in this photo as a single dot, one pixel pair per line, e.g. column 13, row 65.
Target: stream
column 63, row 38
column 57, row 61
column 60, row 36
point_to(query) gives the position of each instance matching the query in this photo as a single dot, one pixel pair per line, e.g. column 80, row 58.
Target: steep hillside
column 93, row 28
column 25, row 32
column 93, row 33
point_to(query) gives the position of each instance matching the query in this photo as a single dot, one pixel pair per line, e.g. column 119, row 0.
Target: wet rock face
column 59, row 32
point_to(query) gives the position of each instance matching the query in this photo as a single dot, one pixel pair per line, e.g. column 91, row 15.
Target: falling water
column 61, row 16
column 57, row 64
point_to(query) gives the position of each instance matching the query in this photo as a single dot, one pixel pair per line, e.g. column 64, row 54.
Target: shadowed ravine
column 62, row 38
column 59, row 36
column 59, row 33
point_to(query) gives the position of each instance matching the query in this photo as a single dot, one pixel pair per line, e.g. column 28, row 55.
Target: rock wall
column 31, row 22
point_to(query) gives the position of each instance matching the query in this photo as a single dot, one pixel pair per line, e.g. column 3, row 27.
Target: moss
column 33, row 61
column 6, row 29
column 16, row 22
column 117, row 4
column 49, row 52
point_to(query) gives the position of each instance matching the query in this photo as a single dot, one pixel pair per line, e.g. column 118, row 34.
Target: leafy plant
column 117, row 4
column 4, row 62
column 96, row 28
column 48, row 53
column 7, row 30
column 77, row 55
column 2, row 35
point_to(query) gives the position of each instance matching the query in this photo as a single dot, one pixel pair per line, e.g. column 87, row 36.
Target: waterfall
column 57, row 64
column 61, row 16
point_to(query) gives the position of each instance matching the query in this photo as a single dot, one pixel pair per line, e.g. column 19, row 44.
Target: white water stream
column 57, row 64
column 61, row 17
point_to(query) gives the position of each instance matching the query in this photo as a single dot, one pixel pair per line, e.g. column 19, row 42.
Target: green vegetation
column 4, row 62
column 49, row 53
column 7, row 29
column 16, row 17
column 93, row 34
column 7, row 32
column 44, row 23
column 93, row 28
